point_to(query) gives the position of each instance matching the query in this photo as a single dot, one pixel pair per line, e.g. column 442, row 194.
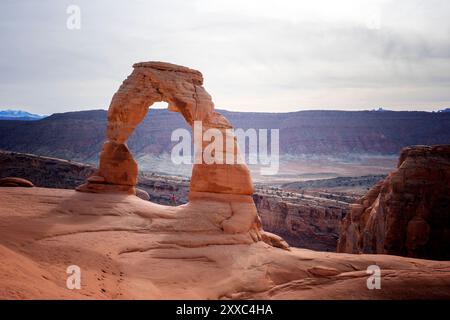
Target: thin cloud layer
column 255, row 55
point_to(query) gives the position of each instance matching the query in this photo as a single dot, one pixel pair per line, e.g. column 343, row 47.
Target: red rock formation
column 15, row 182
column 182, row 89
column 128, row 248
column 408, row 213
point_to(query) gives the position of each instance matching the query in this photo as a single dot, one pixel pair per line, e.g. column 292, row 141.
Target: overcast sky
column 256, row 55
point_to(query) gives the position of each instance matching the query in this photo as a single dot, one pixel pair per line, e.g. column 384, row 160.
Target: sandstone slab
column 128, row 248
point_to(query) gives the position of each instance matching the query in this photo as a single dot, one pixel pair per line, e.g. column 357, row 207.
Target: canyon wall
column 305, row 222
column 44, row 171
column 408, row 213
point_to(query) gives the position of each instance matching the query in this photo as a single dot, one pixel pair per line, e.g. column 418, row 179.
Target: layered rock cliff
column 408, row 213
column 303, row 221
column 44, row 171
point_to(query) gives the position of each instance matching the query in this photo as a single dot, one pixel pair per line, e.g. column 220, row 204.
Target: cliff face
column 406, row 214
column 43, row 171
column 308, row 222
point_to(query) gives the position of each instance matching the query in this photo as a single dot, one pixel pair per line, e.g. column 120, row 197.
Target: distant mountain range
column 79, row 136
column 19, row 115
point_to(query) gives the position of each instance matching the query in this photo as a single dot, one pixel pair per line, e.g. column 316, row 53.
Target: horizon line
column 380, row 109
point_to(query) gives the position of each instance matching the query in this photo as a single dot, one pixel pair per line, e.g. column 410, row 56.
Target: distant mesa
column 19, row 115
column 338, row 133
column 380, row 109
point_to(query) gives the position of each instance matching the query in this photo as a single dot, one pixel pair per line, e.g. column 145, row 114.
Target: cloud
column 254, row 55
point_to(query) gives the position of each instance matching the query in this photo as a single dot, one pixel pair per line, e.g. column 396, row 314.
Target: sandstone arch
column 182, row 89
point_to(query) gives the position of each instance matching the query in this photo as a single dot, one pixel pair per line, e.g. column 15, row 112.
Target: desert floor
column 128, row 248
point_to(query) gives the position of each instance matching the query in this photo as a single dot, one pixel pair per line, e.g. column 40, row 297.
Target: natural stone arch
column 182, row 89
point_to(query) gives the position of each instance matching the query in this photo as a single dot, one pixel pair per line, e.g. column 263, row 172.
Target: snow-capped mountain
column 19, row 115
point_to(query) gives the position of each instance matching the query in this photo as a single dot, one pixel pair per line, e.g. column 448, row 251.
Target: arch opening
column 156, row 142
